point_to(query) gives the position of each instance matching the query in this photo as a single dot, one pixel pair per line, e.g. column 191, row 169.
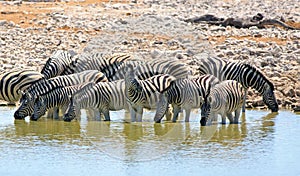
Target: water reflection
column 146, row 140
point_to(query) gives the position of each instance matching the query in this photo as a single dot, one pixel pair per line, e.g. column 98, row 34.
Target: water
column 262, row 144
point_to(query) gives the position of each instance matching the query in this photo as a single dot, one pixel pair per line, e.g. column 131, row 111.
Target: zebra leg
column 223, row 118
column 237, row 115
column 230, row 117
column 139, row 114
column 55, row 113
column 50, row 113
column 176, row 110
column 187, row 115
column 169, row 113
column 132, row 114
column 106, row 115
column 244, row 101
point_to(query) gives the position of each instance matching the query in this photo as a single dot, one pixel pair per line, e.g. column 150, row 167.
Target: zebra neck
column 247, row 76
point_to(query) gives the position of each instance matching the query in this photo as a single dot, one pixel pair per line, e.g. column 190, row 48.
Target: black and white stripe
column 245, row 74
column 57, row 63
column 57, row 97
column 147, row 69
column 106, row 63
column 43, row 86
column 185, row 94
column 14, row 82
column 225, row 98
column 103, row 96
column 144, row 93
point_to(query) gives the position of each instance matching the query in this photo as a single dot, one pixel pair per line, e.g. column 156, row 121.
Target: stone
column 3, row 22
column 289, row 91
column 296, row 107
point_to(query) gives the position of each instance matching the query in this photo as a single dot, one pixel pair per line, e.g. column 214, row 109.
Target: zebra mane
column 250, row 67
column 46, row 64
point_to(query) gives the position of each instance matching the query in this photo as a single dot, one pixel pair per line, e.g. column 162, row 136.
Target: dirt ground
column 24, row 13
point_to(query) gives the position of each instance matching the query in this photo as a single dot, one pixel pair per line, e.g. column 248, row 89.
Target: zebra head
column 26, row 106
column 70, row 112
column 206, row 107
column 131, row 81
column 269, row 98
column 73, row 110
column 39, row 108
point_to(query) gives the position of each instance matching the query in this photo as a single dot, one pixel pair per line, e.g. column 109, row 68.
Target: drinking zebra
column 44, row 85
column 225, row 98
column 144, row 93
column 14, row 82
column 185, row 94
column 245, row 74
column 57, row 97
column 103, row 96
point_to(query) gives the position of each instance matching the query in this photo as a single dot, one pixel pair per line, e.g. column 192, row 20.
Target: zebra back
column 14, row 82
column 147, row 69
column 211, row 65
column 106, row 63
column 56, row 64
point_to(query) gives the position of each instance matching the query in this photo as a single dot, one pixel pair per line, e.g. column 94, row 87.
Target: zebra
column 144, row 93
column 14, row 82
column 57, row 97
column 147, row 69
column 185, row 93
column 45, row 85
column 57, row 63
column 223, row 99
column 64, row 63
column 103, row 96
column 106, row 63
column 245, row 74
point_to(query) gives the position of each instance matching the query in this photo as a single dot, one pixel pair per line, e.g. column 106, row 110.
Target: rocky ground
column 31, row 31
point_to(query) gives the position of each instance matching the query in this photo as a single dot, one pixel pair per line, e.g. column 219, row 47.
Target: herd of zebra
column 100, row 83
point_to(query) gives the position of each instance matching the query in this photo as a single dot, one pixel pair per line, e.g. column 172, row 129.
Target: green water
column 262, row 144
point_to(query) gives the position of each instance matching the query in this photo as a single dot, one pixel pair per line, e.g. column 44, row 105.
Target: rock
column 296, row 107
column 3, row 22
column 289, row 91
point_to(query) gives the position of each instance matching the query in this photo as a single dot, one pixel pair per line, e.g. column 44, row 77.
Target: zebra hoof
column 158, row 121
